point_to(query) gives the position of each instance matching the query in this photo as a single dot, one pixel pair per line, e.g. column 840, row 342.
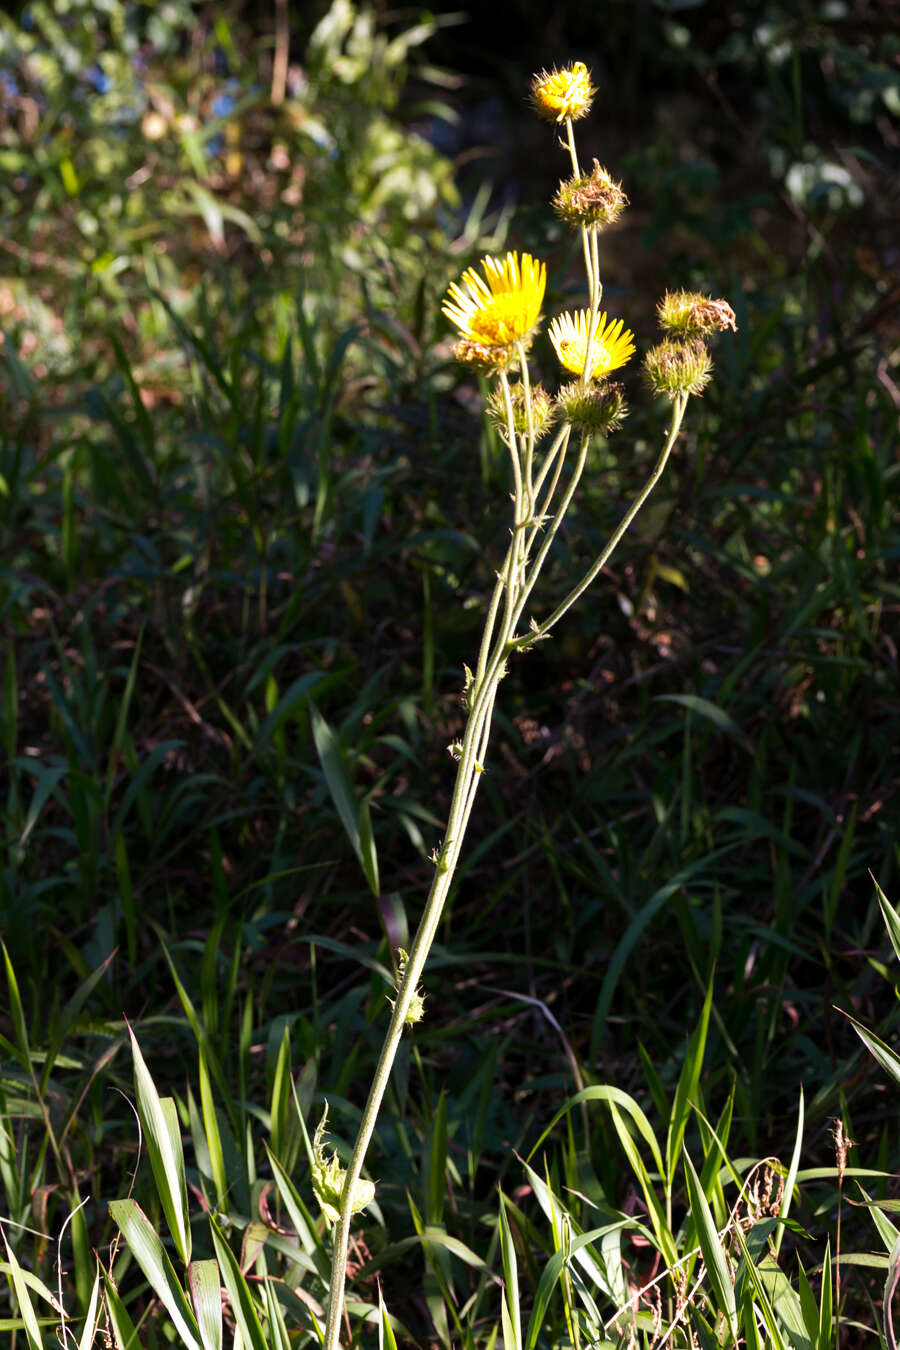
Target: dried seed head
column 486, row 360
column 689, row 313
column 590, row 198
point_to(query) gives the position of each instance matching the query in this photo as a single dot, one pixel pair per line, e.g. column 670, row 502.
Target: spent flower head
column 543, row 410
column 600, row 409
column 561, row 93
column 486, row 360
column 612, row 346
column 590, row 198
column 688, row 313
column 674, row 368
column 503, row 306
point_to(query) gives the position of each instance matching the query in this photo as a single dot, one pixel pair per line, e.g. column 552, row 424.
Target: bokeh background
column 249, row 514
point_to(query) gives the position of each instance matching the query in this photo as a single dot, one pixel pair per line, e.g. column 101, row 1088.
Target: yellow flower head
column 611, row 348
column 503, row 306
column 558, row 94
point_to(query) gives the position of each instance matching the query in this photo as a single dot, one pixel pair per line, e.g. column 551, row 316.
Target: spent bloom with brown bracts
column 503, row 306
column 612, row 345
column 590, row 198
column 561, row 93
column 688, row 313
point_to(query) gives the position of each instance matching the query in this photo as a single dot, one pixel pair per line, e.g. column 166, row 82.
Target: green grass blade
column 437, row 1163
column 124, row 1330
column 386, row 1338
column 242, row 1305
column 150, row 1255
column 891, row 919
column 711, row 1249
column 353, row 817
column 686, row 1092
column 278, row 1334
column 885, row 1056
column 206, row 1296
column 511, row 1306
column 212, row 1133
column 554, row 1269
column 791, row 1179
column 826, row 1310
column 88, row 1331
column 15, row 1010
column 612, row 1096
column 122, row 721
column 159, row 1120
column 23, row 1298
column 664, row 1236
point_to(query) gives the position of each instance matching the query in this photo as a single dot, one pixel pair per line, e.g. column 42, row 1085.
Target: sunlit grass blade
column 791, row 1178
column 206, row 1296
column 686, row 1092
column 242, row 1304
column 711, row 1249
column 886, row 1057
column 89, row 1330
column 386, row 1338
column 29, row 1320
column 664, row 1235
column 150, row 1255
column 124, row 1330
column 159, row 1119
column 892, row 1279
column 511, row 1305
column 554, row 1269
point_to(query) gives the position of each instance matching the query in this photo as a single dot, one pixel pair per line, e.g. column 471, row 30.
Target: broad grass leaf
column 886, row 1057
column 159, row 1120
column 242, row 1304
column 148, row 1251
column 712, row 712
column 512, row 1316
column 124, row 1329
column 711, row 1248
column 23, row 1298
column 206, row 1296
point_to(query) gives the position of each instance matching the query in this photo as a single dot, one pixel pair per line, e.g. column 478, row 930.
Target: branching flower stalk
column 497, row 314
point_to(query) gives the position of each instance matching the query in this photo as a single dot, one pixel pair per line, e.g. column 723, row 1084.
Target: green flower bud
column 328, row 1179
column 599, row 409
column 416, row 1010
column 590, row 199
column 674, row 368
column 689, row 313
column 543, row 410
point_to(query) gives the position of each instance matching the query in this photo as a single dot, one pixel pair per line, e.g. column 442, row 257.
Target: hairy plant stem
column 482, row 694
